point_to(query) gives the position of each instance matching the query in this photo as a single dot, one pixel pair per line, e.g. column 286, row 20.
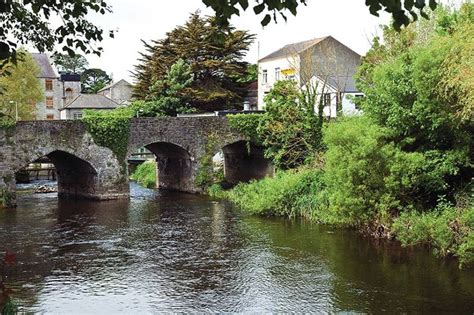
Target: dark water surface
column 178, row 252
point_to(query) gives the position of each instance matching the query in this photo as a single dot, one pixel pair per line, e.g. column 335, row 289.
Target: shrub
column 145, row 174
column 449, row 230
column 289, row 193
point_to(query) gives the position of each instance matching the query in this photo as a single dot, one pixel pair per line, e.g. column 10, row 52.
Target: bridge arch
column 244, row 161
column 175, row 166
column 77, row 177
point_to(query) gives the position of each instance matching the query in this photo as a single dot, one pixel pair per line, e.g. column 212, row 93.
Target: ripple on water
column 168, row 252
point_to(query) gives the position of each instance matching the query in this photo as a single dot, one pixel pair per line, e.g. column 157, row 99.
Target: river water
column 163, row 252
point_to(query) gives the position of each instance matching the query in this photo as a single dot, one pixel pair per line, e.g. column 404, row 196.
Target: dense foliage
column 110, row 128
column 247, row 124
column 215, row 55
column 290, row 129
column 403, row 169
column 285, row 194
column 21, row 90
column 93, row 80
column 145, row 174
column 76, row 63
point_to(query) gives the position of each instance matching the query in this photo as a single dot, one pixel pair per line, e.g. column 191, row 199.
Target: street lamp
column 16, row 109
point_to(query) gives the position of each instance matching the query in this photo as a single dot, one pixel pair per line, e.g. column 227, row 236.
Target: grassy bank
column 447, row 229
column 145, row 174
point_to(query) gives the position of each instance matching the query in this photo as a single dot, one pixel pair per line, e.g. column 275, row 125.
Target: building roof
column 91, row 101
column 111, row 85
column 45, row 65
column 292, row 49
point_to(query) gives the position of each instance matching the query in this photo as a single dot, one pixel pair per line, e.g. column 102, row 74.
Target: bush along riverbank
column 145, row 174
column 402, row 168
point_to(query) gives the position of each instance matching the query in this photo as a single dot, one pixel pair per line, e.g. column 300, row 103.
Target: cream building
column 324, row 63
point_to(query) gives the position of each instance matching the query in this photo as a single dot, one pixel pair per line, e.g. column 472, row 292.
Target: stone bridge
column 87, row 170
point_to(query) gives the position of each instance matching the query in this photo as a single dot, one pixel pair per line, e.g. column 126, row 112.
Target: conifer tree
column 215, row 55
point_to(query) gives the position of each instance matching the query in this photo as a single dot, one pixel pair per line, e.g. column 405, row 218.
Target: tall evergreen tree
column 215, row 55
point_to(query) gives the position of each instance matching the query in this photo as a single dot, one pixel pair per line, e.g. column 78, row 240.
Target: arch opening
column 174, row 166
column 75, row 177
column 244, row 161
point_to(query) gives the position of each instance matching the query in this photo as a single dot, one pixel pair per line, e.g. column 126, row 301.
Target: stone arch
column 244, row 161
column 77, row 177
column 175, row 166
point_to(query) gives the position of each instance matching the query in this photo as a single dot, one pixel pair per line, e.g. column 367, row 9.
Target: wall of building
column 121, row 92
column 42, row 111
column 270, row 65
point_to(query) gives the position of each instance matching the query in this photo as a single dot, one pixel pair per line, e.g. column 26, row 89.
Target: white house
column 120, row 92
column 323, row 63
column 74, row 109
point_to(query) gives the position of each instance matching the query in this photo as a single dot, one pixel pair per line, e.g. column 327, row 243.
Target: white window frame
column 76, row 115
column 264, row 76
column 277, row 73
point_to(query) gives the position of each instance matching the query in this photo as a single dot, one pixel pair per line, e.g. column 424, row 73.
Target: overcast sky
column 349, row 21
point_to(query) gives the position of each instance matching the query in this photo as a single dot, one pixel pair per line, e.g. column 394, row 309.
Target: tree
column 401, row 10
column 290, row 130
column 22, row 89
column 93, row 80
column 27, row 21
column 215, row 55
column 170, row 95
column 71, row 63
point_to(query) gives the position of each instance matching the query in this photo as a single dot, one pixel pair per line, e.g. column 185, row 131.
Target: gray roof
column 91, row 101
column 111, row 85
column 45, row 65
column 292, row 49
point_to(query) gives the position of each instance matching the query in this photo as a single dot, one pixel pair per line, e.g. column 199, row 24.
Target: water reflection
column 178, row 252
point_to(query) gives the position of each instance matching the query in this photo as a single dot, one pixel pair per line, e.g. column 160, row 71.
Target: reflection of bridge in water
column 87, row 170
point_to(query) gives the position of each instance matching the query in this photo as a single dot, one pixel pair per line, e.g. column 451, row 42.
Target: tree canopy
column 21, row 89
column 215, row 55
column 71, row 63
column 93, row 80
column 402, row 11
column 28, row 21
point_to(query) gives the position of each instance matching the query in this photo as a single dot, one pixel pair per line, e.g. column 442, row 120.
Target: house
column 58, row 88
column 120, row 92
column 324, row 63
column 74, row 109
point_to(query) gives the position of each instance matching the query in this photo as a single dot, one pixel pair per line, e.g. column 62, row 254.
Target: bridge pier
column 7, row 188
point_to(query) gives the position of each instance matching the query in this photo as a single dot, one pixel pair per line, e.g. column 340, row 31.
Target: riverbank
column 448, row 230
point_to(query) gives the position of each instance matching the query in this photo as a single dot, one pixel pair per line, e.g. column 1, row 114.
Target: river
column 170, row 252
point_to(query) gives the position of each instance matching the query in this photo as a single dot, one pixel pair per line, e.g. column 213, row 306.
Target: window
column 49, row 85
column 265, row 76
column 76, row 116
column 50, row 117
column 327, row 99
column 357, row 99
column 68, row 93
column 277, row 74
column 49, row 102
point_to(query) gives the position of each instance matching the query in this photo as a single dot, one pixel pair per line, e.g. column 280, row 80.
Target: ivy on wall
column 248, row 125
column 109, row 129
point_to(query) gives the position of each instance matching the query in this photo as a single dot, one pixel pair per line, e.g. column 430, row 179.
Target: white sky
column 349, row 21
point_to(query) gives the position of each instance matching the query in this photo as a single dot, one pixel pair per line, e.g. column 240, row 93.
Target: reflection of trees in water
column 367, row 275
